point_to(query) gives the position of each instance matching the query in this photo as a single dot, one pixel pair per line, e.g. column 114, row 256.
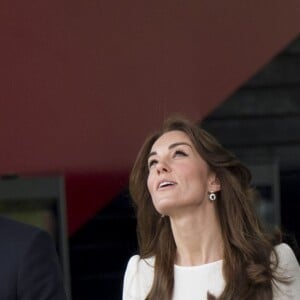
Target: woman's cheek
column 149, row 184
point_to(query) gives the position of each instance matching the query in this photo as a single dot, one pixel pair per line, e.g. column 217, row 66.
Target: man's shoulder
column 12, row 231
column 13, row 225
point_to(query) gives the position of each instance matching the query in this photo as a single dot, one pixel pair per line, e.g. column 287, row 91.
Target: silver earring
column 212, row 196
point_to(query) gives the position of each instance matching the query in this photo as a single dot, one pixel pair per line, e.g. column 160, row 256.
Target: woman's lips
column 163, row 184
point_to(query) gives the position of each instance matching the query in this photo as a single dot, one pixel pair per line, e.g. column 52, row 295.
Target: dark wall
column 261, row 120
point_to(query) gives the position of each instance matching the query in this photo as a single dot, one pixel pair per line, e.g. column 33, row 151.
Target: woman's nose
column 162, row 167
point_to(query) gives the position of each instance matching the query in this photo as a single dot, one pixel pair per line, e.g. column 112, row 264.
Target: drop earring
column 212, row 196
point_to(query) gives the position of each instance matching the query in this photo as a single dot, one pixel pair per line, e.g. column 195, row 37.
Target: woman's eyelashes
column 177, row 153
column 180, row 153
column 151, row 163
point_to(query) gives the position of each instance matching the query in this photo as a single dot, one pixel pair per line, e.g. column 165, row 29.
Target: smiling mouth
column 166, row 184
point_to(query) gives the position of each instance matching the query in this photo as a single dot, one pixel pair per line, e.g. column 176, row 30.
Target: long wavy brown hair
column 248, row 269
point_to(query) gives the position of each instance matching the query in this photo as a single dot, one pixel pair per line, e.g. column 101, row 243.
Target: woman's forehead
column 169, row 138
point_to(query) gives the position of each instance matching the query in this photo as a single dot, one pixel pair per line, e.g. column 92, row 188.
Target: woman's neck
column 198, row 237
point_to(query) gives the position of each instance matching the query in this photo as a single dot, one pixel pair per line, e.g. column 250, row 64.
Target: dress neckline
column 210, row 264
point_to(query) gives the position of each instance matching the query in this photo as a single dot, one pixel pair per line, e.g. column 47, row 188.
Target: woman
column 199, row 236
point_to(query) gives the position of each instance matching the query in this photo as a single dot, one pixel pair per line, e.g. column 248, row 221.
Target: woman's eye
column 152, row 163
column 180, row 153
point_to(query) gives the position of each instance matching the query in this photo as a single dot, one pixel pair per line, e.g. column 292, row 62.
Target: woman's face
column 178, row 176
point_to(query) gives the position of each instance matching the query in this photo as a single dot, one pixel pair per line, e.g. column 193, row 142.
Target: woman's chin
column 165, row 208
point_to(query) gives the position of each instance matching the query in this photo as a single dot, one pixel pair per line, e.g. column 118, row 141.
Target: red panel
column 82, row 82
column 90, row 192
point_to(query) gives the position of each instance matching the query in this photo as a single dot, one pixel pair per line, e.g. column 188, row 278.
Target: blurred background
column 83, row 83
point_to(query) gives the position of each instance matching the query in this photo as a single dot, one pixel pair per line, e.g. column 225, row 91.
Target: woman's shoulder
column 138, row 277
column 136, row 261
column 286, row 256
column 138, row 267
column 288, row 270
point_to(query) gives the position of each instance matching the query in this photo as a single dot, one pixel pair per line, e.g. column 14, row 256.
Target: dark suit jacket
column 29, row 268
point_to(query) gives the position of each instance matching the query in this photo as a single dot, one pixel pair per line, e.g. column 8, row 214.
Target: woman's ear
column 214, row 183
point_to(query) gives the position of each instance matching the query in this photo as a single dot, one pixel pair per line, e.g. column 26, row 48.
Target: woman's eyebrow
column 152, row 153
column 179, row 144
column 170, row 147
